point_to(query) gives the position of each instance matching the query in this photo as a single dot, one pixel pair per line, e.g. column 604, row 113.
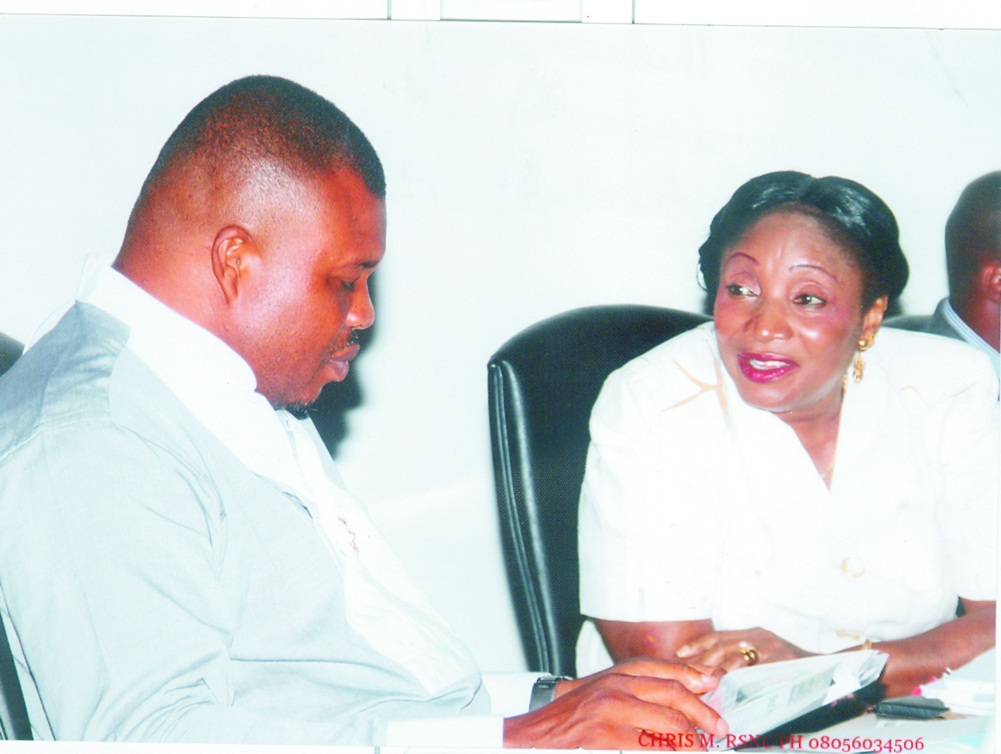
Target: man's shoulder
column 78, row 378
column 84, row 411
column 67, row 371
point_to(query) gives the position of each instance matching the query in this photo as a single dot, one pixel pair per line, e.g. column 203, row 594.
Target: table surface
column 871, row 733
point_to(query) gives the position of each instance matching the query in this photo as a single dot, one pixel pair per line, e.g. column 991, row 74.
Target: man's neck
column 983, row 317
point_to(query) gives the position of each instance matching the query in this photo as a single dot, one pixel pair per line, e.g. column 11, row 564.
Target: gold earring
column 858, row 369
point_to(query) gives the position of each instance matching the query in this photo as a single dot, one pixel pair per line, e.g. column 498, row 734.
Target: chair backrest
column 14, row 723
column 915, row 322
column 10, row 350
column 542, row 384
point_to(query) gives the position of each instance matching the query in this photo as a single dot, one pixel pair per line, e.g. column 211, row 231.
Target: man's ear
column 234, row 257
column 989, row 280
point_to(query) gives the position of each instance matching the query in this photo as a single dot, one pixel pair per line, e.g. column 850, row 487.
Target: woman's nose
column 768, row 322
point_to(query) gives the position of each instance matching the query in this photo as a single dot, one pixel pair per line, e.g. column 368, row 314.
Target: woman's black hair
column 851, row 215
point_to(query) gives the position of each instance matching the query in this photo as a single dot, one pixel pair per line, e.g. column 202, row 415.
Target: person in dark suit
column 972, row 310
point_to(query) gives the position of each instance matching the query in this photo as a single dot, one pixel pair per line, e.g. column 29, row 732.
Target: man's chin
column 299, row 405
column 298, row 410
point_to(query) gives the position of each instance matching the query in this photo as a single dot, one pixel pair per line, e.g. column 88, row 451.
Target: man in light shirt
column 178, row 558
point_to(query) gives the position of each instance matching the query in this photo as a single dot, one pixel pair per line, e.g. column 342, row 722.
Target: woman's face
column 788, row 316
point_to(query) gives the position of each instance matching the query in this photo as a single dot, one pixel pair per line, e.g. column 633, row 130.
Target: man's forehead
column 341, row 197
column 344, row 182
column 360, row 217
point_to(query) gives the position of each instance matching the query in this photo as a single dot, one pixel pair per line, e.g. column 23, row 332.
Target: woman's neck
column 818, row 432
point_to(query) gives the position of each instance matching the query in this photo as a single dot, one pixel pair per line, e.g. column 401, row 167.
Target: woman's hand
column 730, row 650
column 696, row 643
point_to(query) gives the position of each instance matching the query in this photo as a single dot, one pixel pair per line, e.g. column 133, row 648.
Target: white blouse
column 698, row 506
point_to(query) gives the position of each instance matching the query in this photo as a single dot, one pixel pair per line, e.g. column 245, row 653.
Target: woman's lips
column 764, row 367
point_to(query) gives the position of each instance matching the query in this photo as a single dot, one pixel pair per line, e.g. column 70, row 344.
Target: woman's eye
column 808, row 299
column 734, row 289
column 349, row 285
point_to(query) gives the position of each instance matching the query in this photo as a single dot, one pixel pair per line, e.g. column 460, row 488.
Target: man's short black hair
column 267, row 120
column 973, row 232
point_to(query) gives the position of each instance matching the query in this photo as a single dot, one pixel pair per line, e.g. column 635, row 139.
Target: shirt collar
column 212, row 380
column 189, row 358
column 970, row 335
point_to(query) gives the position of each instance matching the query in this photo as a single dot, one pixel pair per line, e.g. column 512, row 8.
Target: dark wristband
column 544, row 691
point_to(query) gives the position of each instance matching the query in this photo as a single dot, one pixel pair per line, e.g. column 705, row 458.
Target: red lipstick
column 764, row 367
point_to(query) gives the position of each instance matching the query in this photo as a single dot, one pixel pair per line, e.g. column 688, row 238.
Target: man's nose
column 362, row 312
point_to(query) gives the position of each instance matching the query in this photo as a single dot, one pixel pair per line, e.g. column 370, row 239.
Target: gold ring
column 751, row 655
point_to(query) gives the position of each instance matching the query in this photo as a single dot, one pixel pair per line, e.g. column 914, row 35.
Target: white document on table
column 757, row 699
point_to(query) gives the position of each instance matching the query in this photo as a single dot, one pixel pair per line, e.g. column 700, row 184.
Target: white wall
column 532, row 168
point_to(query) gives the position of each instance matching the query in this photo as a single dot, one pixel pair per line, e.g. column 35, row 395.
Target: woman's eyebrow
column 818, row 268
column 745, row 255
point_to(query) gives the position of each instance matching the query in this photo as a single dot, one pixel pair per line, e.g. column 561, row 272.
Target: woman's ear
column 235, row 258
column 873, row 318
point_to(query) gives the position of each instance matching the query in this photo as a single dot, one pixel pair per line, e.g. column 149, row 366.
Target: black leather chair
column 14, row 725
column 10, row 349
column 915, row 322
column 542, row 385
column 13, row 714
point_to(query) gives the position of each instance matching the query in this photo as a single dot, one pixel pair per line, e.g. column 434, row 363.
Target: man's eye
column 738, row 290
column 349, row 285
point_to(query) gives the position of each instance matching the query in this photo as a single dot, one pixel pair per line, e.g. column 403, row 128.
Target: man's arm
column 111, row 559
